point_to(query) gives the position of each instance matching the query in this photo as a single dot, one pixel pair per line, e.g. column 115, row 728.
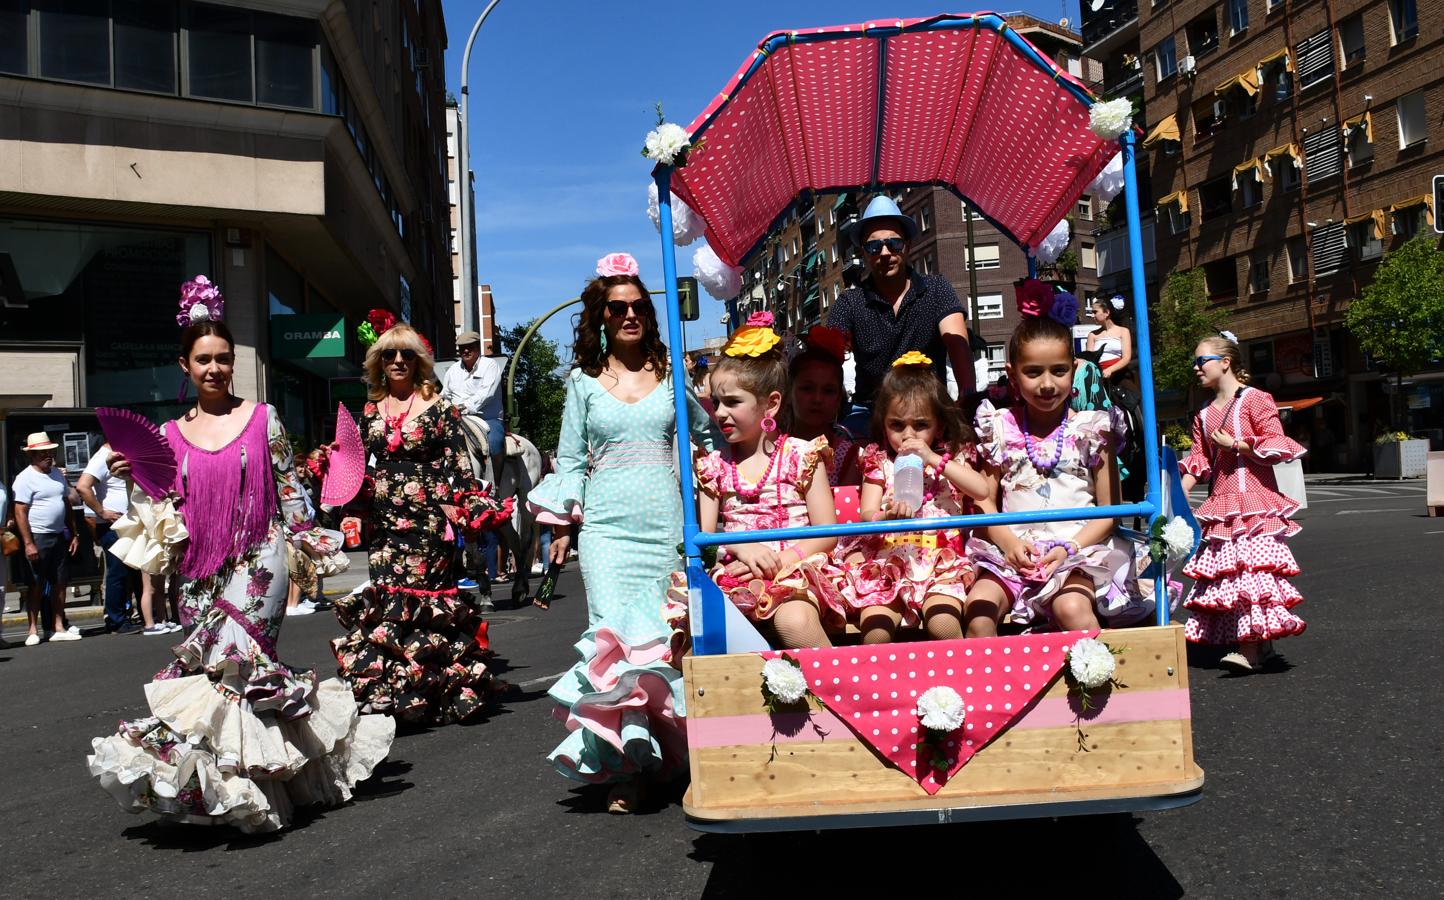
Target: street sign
column 1438, row 199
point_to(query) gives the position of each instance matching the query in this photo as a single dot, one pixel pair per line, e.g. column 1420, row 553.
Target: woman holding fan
column 234, row 735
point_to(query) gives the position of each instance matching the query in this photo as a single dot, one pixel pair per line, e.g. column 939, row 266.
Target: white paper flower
column 1091, row 663
column 1054, row 244
column 687, row 226
column 784, row 680
column 1178, row 536
column 941, row 709
column 720, row 280
column 1107, row 183
column 1110, row 119
column 666, row 142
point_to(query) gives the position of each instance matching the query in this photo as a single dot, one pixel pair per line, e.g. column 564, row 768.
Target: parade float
column 1021, row 725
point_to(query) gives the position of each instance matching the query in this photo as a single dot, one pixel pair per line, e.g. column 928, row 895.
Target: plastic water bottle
column 907, row 480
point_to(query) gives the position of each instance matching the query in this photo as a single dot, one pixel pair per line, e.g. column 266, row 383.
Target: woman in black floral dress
column 416, row 648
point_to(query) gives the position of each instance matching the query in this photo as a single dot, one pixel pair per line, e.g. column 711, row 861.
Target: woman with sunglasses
column 616, row 475
column 1241, row 596
column 415, row 648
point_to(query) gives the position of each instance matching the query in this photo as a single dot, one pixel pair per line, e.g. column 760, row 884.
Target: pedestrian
column 235, row 736
column 415, row 647
column 106, row 501
column 896, row 309
column 46, row 522
column 616, row 475
column 1241, row 595
column 473, row 385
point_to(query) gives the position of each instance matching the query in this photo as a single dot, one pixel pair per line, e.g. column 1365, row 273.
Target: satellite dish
column 1063, row 22
column 1096, row 5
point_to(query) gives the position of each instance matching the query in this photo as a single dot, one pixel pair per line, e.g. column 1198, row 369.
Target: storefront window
column 285, row 288
column 75, row 40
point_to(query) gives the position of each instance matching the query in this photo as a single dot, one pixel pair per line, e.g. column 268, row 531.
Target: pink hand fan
column 346, row 465
column 152, row 463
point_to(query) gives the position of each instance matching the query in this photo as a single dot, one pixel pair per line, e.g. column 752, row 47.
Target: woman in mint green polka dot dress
column 616, row 475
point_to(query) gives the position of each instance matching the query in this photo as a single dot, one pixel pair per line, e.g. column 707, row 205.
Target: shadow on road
column 1067, row 854
column 188, row 838
column 591, row 799
column 385, row 781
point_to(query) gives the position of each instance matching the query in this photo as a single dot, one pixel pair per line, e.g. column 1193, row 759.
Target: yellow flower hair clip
column 912, row 358
column 751, row 340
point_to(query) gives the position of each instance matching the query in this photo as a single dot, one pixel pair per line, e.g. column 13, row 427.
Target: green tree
column 1399, row 318
column 540, row 388
column 1181, row 319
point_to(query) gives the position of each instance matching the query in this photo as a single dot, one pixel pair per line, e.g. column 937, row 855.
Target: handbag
column 9, row 542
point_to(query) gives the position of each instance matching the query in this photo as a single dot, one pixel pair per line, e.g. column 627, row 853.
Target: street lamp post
column 463, row 160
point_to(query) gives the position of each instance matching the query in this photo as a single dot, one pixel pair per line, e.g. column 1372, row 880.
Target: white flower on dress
column 1110, row 119
column 784, row 680
column 666, row 142
column 1178, row 536
column 1091, row 663
column 941, row 709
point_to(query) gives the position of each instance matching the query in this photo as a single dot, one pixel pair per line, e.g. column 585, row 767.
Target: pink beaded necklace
column 754, row 494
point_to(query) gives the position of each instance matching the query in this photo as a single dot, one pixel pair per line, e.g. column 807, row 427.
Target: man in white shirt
column 474, row 386
column 43, row 517
column 105, row 502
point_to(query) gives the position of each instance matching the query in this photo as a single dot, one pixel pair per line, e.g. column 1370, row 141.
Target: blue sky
column 563, row 93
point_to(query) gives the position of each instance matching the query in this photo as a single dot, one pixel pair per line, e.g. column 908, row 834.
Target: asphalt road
column 1323, row 781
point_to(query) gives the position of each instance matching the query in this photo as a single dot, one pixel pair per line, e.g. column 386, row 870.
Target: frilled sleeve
column 476, row 505
column 559, row 499
column 1093, row 430
column 711, row 474
column 872, row 459
column 809, row 454
column 1196, row 462
column 991, row 434
column 1263, row 431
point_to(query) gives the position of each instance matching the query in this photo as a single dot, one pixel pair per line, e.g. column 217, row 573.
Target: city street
column 1323, row 781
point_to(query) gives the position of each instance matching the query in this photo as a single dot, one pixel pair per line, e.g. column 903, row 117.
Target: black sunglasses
column 1200, row 361
column 874, row 247
column 620, row 308
column 407, row 354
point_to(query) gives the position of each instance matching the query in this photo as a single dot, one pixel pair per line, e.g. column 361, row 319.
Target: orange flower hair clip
column 751, row 340
column 913, row 358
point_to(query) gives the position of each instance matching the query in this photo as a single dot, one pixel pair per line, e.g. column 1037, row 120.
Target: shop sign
column 308, row 336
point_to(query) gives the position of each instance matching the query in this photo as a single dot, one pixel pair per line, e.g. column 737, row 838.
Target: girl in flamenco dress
column 234, row 735
column 1241, row 594
column 815, row 397
column 416, row 648
column 904, row 579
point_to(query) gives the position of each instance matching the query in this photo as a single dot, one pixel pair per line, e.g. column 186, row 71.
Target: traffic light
column 687, row 298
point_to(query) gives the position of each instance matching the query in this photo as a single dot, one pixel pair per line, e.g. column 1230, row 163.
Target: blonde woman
column 415, row 648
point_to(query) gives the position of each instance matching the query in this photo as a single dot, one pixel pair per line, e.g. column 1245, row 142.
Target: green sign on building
column 308, row 336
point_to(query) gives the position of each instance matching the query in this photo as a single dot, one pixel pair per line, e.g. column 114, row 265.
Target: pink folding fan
column 346, row 465
column 152, row 463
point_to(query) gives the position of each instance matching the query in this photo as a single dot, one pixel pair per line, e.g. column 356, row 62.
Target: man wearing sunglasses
column 897, row 309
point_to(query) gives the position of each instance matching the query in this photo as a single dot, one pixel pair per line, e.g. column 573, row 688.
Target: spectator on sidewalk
column 473, row 386
column 47, row 533
column 105, row 502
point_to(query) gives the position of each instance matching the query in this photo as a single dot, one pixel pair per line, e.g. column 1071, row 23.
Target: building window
column 1208, row 116
column 1411, row 119
column 75, row 40
column 1165, row 57
column 1216, row 198
column 1088, row 257
column 1287, row 173
column 925, row 217
column 1278, row 75
column 1351, row 40
column 1298, row 260
column 1365, row 240
column 990, row 306
column 1258, row 275
column 1237, row 16
column 1403, row 20
column 1315, row 60
column 985, row 256
column 145, row 45
column 1411, row 221
column 1250, row 189
column 1360, row 146
column 1179, row 220
column 996, row 357
column 1221, row 279
column 1084, row 209
column 834, row 251
column 13, row 31
column 220, row 53
column 285, row 51
column 1203, row 34
column 970, row 213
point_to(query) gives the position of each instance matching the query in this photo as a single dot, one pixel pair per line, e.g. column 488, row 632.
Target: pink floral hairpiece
column 762, row 319
column 617, row 264
column 200, row 301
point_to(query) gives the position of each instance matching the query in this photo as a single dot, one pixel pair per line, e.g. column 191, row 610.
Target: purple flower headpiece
column 200, row 301
column 1037, row 298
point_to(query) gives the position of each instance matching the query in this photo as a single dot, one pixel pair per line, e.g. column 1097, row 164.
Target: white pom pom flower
column 1054, row 244
column 720, row 280
column 687, row 226
column 1110, row 119
column 199, row 313
column 1091, row 663
column 666, row 142
column 784, row 680
column 1108, row 183
column 941, row 709
column 1179, row 537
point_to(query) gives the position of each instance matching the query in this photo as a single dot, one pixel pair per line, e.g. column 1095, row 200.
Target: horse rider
column 474, row 387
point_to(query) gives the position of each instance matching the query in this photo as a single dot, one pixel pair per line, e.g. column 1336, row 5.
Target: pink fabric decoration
column 761, row 319
column 875, row 689
column 346, row 464
column 617, row 264
column 1034, row 297
column 848, row 501
column 200, row 301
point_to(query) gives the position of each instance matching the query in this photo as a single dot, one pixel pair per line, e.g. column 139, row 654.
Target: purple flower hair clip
column 201, row 301
column 1065, row 309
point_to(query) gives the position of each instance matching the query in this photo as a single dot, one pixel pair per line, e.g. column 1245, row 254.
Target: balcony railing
column 1113, row 16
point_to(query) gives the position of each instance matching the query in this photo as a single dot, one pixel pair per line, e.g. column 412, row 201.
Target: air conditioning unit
column 1187, row 65
column 420, row 58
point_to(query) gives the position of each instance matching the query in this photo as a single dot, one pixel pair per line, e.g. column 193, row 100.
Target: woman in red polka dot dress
column 1241, row 594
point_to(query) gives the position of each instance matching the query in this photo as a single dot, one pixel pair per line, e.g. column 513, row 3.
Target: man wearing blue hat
column 896, row 309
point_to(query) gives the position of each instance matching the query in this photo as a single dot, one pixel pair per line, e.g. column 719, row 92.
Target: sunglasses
column 893, row 244
column 619, row 308
column 1200, row 361
column 407, row 354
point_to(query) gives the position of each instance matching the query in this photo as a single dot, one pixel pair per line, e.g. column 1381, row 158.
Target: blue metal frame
column 708, row 623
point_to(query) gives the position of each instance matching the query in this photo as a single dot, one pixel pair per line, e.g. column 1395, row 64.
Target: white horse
column 514, row 477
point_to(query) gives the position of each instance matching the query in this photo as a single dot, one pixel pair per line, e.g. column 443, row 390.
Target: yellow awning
column 1281, row 54
column 1247, row 81
column 1255, row 165
column 1379, row 218
column 1424, row 200
column 1285, row 150
column 1178, row 197
column 1365, row 119
column 1165, row 130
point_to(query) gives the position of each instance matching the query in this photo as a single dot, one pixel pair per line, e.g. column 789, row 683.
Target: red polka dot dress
column 1241, row 592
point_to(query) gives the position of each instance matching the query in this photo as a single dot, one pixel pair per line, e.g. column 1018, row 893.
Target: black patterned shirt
column 880, row 336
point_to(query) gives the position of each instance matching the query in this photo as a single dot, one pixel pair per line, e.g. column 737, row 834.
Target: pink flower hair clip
column 617, row 264
column 761, row 319
column 201, row 301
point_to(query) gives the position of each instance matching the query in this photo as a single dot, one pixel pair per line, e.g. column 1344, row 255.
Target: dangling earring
column 602, row 333
column 769, row 424
column 1075, row 393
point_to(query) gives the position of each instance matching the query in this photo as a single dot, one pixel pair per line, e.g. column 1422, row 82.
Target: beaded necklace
column 754, row 494
column 1044, row 468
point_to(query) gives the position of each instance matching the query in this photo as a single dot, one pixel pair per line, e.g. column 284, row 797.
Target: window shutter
column 1316, row 59
column 1331, row 249
column 1322, row 154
